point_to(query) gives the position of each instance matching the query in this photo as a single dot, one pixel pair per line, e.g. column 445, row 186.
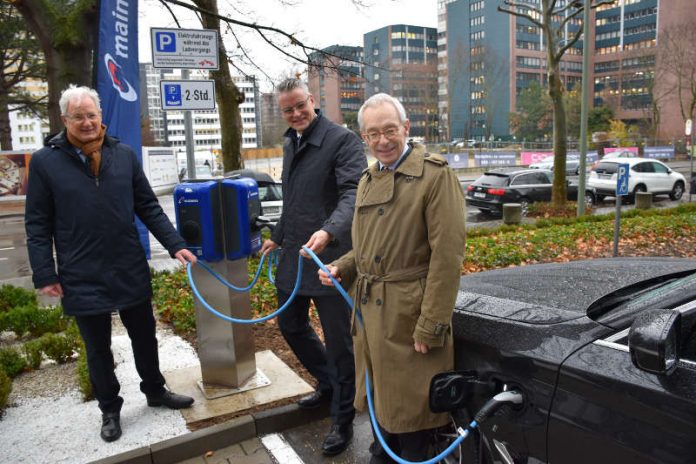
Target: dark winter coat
column 319, row 182
column 91, row 221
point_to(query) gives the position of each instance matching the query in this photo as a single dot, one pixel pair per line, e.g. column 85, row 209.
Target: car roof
column 256, row 175
column 512, row 171
column 630, row 161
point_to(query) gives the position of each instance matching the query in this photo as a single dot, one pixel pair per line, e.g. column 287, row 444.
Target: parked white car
column 645, row 175
column 572, row 164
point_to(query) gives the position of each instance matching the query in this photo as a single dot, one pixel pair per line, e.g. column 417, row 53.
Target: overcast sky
column 318, row 23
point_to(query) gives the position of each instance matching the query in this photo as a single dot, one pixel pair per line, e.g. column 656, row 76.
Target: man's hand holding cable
column 185, row 256
column 324, row 277
column 317, row 242
column 268, row 246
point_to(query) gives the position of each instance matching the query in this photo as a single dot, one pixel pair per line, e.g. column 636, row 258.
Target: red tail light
column 470, row 188
column 496, row 191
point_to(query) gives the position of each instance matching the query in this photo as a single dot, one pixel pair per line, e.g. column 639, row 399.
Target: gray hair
column 290, row 84
column 74, row 92
column 380, row 99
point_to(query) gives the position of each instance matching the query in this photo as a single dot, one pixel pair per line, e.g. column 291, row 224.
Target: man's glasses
column 374, row 135
column 297, row 107
column 91, row 117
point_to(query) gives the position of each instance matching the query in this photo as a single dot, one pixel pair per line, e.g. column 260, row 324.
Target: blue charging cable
column 227, row 318
column 373, row 419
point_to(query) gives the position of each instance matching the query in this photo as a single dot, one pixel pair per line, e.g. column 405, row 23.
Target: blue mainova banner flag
column 118, row 79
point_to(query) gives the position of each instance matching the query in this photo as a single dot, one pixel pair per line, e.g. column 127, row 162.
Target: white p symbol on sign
column 165, row 42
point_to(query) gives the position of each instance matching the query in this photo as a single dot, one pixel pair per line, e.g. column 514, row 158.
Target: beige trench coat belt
column 364, row 281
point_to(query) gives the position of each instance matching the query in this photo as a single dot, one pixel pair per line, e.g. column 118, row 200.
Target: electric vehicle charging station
column 218, row 221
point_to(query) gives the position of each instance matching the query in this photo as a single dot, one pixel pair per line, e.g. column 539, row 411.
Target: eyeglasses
column 91, row 117
column 374, row 135
column 297, row 107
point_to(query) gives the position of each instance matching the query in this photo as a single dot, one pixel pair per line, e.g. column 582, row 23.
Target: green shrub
column 11, row 361
column 49, row 319
column 12, row 297
column 33, row 320
column 82, row 372
column 5, row 389
column 58, row 347
column 33, row 353
column 173, row 300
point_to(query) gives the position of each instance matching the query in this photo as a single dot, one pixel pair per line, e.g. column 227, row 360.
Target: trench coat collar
column 381, row 189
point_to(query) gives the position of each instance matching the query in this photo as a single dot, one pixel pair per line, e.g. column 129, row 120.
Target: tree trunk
column 5, row 129
column 67, row 47
column 558, row 192
column 228, row 96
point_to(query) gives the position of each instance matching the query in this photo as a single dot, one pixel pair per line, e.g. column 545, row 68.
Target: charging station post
column 218, row 221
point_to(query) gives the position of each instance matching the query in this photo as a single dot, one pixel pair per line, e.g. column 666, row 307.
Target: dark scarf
column 91, row 150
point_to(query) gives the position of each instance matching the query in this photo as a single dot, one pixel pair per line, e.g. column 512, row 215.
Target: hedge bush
column 82, row 373
column 33, row 353
column 5, row 389
column 12, row 297
column 57, row 347
column 11, row 361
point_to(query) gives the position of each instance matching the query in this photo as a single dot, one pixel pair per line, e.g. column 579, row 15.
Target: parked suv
column 603, row 353
column 513, row 185
column 270, row 192
column 645, row 175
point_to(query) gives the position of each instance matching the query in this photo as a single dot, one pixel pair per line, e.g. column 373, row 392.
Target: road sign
column 187, row 95
column 184, row 48
column 688, row 127
column 622, row 180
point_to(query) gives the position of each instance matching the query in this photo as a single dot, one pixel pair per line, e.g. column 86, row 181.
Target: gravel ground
column 47, row 421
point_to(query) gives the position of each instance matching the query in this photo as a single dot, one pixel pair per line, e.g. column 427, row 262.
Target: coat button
column 380, row 211
column 363, row 300
column 378, row 302
column 378, row 259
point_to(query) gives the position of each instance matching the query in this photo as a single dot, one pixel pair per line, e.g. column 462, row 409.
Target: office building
column 492, row 56
column 335, row 78
column 401, row 60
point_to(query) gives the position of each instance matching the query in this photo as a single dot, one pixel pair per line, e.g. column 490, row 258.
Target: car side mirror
column 653, row 341
column 451, row 390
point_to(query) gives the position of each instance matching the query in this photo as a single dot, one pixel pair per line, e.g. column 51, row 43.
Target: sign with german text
column 184, row 48
column 187, row 95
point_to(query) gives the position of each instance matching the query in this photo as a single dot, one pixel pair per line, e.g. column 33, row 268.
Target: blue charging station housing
column 241, row 209
column 197, row 206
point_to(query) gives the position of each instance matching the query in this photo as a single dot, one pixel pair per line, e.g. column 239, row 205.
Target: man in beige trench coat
column 408, row 245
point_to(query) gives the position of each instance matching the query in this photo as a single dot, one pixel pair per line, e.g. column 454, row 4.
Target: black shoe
column 111, row 426
column 170, row 400
column 314, row 400
column 338, row 439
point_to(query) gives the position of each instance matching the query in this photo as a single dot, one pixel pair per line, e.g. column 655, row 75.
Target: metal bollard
column 512, row 213
column 643, row 200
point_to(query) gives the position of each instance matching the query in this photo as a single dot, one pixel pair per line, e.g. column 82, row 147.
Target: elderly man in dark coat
column 322, row 162
column 85, row 189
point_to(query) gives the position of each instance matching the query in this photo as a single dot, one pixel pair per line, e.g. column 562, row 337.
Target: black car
column 514, row 185
column 603, row 353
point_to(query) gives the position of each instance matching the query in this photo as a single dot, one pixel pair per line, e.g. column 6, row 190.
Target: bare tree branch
column 514, row 12
column 176, row 20
column 571, row 42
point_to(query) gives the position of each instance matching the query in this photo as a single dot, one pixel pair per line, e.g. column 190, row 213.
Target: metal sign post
column 621, row 191
column 688, row 131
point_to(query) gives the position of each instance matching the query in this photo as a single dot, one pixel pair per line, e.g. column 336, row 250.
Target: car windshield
column 618, row 308
column 495, row 179
column 270, row 192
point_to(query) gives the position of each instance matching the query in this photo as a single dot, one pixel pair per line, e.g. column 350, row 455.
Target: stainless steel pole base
column 225, row 350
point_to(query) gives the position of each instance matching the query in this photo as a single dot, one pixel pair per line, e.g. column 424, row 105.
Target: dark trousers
column 96, row 333
column 332, row 363
column 411, row 446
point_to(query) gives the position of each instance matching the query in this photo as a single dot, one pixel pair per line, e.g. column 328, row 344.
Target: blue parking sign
column 622, row 180
column 172, row 95
column 165, row 42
